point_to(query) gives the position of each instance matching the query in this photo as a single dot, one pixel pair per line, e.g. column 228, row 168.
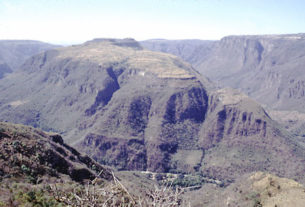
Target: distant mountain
column 13, row 53
column 141, row 110
column 268, row 68
column 192, row 51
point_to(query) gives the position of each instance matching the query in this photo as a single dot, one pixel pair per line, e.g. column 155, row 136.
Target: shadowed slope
column 15, row 52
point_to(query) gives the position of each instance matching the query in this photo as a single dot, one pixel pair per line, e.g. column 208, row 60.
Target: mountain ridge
column 15, row 52
column 268, row 68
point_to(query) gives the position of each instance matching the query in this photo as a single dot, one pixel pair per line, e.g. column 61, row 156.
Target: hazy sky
column 73, row 21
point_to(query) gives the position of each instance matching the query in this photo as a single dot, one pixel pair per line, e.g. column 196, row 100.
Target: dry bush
column 163, row 196
column 116, row 194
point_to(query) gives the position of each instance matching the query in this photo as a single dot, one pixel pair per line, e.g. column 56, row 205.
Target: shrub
column 188, row 181
column 115, row 194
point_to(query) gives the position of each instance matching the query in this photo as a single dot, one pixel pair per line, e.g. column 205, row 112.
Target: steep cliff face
column 233, row 114
column 268, row 68
column 233, row 53
column 239, row 137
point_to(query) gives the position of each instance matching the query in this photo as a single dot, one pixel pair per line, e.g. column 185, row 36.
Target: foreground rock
column 33, row 154
column 255, row 189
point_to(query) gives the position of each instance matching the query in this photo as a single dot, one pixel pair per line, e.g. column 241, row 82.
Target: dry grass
column 160, row 64
column 276, row 191
column 95, row 194
column 230, row 96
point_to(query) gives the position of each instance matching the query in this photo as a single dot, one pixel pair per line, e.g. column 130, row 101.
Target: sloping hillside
column 13, row 53
column 4, row 68
column 256, row 189
column 26, row 151
column 32, row 161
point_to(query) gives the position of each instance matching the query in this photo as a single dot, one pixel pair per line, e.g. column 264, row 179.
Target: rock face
column 267, row 68
column 239, row 137
column 141, row 110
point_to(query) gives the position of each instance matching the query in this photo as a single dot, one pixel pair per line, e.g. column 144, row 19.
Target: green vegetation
column 37, row 198
column 189, row 181
column 26, row 194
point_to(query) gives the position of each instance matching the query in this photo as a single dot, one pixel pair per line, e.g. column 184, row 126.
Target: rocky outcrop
column 26, row 151
column 232, row 114
column 239, row 137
